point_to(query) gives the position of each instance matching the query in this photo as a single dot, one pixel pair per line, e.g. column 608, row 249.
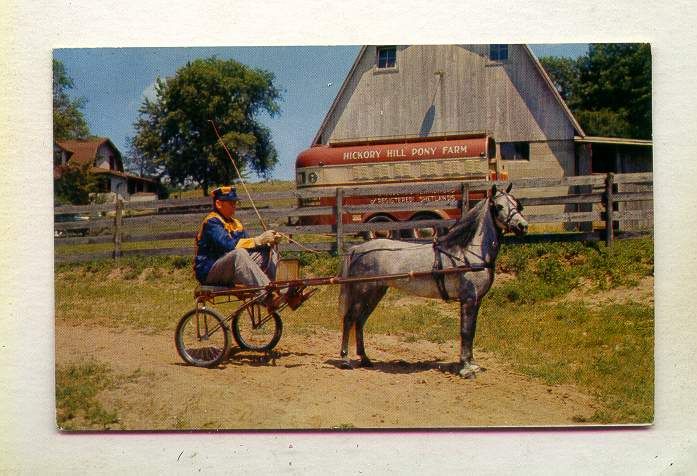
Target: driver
column 226, row 255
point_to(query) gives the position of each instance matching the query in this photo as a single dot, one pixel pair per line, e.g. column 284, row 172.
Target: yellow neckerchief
column 231, row 226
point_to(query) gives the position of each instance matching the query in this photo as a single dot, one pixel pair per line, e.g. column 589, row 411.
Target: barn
column 443, row 90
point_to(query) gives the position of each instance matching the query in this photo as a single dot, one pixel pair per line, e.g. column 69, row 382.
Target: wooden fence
column 594, row 207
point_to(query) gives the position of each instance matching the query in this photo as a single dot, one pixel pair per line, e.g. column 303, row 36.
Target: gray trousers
column 240, row 266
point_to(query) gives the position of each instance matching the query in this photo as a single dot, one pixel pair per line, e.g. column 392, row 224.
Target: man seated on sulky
column 226, row 255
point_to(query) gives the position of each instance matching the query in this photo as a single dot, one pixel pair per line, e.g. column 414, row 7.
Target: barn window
column 515, row 150
column 387, row 57
column 498, row 52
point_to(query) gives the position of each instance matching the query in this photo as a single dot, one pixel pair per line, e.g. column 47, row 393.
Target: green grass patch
column 545, row 271
column 148, row 293
column 76, row 389
column 607, row 350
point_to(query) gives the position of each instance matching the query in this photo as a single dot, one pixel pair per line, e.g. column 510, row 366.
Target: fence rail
column 598, row 206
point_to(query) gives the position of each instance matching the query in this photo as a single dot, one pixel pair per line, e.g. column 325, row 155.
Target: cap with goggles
column 226, row 194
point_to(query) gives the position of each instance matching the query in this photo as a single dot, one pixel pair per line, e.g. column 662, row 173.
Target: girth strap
column 439, row 278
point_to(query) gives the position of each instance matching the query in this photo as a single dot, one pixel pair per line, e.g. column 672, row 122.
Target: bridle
column 512, row 211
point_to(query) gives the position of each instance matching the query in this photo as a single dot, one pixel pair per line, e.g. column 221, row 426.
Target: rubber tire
column 243, row 344
column 179, row 338
column 412, row 234
column 369, row 235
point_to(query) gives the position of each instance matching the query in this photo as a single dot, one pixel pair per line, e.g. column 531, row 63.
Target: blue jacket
column 215, row 238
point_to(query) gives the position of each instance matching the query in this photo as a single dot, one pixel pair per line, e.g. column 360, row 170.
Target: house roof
column 536, row 62
column 85, row 150
column 126, row 175
column 58, row 146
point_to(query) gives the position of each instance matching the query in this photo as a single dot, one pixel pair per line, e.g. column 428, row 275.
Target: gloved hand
column 266, row 238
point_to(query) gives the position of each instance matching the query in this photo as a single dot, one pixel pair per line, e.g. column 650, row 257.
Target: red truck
column 457, row 158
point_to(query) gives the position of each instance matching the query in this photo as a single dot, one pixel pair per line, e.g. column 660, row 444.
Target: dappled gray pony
column 472, row 241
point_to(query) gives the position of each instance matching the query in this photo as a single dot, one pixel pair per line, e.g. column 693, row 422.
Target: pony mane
column 464, row 229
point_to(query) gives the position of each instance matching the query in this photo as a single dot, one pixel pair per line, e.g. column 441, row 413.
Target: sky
column 115, row 81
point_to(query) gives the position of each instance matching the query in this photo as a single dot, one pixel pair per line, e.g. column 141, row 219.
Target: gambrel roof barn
column 433, row 89
column 441, row 90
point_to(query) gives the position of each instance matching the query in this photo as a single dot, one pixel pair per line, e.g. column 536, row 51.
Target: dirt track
column 411, row 385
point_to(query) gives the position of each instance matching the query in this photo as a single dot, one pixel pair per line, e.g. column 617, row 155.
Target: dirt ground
column 412, row 384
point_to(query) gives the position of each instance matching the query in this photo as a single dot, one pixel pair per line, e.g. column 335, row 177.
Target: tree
column 137, row 162
column 608, row 89
column 564, row 75
column 74, row 185
column 68, row 121
column 174, row 133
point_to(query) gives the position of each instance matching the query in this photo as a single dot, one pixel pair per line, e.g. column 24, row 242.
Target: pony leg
column 349, row 321
column 469, row 309
column 349, row 318
column 370, row 302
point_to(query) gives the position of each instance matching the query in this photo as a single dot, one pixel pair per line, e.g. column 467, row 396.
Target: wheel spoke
column 257, row 329
column 201, row 338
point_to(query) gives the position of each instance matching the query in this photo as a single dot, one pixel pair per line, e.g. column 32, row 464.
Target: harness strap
column 439, row 278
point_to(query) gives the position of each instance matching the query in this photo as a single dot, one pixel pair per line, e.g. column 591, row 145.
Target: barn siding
column 548, row 159
column 509, row 99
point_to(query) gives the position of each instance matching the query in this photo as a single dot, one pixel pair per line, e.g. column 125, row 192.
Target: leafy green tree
column 174, row 134
column 608, row 89
column 564, row 74
column 74, row 185
column 137, row 162
column 68, row 121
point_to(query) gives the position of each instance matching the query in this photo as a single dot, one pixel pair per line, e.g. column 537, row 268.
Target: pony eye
column 499, row 208
column 520, row 207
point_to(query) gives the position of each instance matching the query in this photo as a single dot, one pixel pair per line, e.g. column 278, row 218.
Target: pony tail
column 346, row 265
column 343, row 290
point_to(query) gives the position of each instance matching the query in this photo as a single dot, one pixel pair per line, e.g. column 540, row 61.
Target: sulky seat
column 204, row 290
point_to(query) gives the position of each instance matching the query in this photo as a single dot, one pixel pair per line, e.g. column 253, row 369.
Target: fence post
column 117, row 228
column 465, row 203
column 94, row 215
column 339, row 220
column 609, row 205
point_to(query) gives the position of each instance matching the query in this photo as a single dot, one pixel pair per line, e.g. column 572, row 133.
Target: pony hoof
column 346, row 365
column 366, row 363
column 468, row 374
column 470, row 371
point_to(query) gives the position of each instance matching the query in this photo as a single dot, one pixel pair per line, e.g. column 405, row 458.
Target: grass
column 78, row 386
column 270, row 186
column 607, row 351
column 76, row 389
column 604, row 349
column 156, row 291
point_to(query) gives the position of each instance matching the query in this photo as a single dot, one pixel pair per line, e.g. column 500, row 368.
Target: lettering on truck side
column 419, row 151
column 362, row 154
column 454, row 149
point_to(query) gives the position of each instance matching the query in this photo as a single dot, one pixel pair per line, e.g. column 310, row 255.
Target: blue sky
column 114, row 81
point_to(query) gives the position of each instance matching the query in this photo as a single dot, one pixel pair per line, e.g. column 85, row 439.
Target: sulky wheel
column 255, row 328
column 202, row 339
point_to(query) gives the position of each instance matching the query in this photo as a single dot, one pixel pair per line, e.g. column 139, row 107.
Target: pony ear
column 493, row 190
column 508, row 189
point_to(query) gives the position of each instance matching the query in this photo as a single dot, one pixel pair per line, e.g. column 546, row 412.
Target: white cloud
column 149, row 92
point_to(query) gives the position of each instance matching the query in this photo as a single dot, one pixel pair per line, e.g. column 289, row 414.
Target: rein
column 438, row 253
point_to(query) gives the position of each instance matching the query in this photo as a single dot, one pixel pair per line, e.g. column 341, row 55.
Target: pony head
column 507, row 211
